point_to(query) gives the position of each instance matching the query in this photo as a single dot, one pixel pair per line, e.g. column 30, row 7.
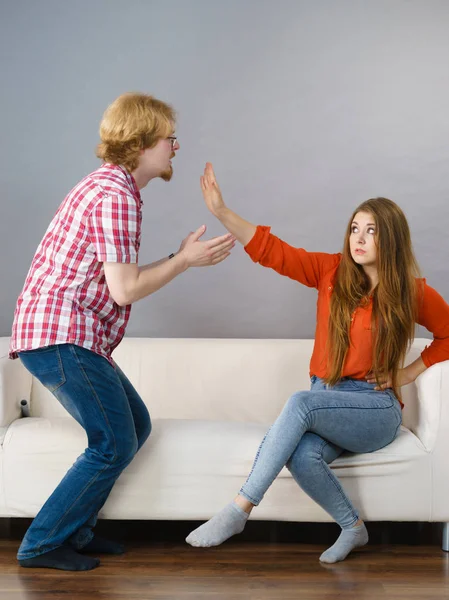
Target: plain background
column 306, row 108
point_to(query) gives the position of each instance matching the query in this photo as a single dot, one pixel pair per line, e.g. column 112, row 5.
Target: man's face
column 157, row 161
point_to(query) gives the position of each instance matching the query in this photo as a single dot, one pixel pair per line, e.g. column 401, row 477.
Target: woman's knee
column 297, row 406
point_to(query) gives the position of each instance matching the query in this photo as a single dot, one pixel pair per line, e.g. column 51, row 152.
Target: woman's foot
column 228, row 522
column 349, row 539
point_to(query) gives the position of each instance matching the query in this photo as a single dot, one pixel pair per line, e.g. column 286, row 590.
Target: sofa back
column 216, row 379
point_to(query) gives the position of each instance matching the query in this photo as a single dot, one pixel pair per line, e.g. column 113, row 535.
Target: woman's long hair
column 394, row 298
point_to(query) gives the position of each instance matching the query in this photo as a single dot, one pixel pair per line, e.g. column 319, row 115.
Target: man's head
column 137, row 133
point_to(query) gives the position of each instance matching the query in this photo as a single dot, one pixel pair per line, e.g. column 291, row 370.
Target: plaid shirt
column 65, row 298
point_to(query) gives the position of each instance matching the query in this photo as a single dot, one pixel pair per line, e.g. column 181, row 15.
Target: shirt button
column 330, row 287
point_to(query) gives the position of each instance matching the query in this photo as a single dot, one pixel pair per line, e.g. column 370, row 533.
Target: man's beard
column 167, row 175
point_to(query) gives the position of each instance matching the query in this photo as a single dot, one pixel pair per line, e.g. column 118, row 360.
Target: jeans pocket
column 46, row 365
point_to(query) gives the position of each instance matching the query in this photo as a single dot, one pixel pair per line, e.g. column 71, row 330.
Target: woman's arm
column 242, row 230
column 263, row 247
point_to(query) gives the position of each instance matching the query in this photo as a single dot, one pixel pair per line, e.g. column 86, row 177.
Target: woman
column 369, row 299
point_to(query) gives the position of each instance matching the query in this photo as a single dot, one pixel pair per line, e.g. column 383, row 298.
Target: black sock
column 63, row 558
column 99, row 545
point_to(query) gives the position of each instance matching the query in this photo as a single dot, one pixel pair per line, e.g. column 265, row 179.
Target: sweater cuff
column 257, row 244
column 426, row 358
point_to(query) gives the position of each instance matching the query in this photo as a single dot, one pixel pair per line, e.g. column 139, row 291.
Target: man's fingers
column 199, row 232
column 220, row 258
column 214, row 242
column 227, row 245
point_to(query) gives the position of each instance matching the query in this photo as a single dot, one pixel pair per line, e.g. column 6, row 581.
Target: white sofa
column 211, row 401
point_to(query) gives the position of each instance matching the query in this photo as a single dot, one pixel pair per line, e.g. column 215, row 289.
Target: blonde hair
column 133, row 122
column 395, row 298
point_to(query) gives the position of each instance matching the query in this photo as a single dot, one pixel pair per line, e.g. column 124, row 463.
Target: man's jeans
column 313, row 430
column 117, row 423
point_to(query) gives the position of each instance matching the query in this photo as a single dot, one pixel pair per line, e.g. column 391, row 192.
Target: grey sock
column 229, row 521
column 348, row 540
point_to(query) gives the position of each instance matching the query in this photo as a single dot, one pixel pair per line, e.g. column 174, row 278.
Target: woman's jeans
column 313, row 429
column 117, row 423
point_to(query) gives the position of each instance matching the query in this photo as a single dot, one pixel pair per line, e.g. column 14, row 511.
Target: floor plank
column 236, row 571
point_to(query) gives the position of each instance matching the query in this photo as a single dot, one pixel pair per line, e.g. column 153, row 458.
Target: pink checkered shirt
column 65, row 298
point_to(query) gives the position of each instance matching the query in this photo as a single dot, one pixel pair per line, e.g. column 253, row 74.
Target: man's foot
column 348, row 540
column 229, row 521
column 99, row 545
column 62, row 558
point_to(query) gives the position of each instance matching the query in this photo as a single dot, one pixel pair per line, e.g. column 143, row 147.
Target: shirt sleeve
column 296, row 263
column 433, row 314
column 114, row 229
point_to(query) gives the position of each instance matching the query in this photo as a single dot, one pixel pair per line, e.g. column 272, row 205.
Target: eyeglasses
column 173, row 139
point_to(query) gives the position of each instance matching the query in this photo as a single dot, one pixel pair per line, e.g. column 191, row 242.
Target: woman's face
column 362, row 240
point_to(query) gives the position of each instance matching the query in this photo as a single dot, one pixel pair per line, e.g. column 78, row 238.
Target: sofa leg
column 5, row 528
column 446, row 537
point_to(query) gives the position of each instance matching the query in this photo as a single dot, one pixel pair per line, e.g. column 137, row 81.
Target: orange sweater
column 317, row 269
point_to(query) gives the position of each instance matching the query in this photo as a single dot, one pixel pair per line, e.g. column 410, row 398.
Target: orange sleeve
column 433, row 314
column 296, row 263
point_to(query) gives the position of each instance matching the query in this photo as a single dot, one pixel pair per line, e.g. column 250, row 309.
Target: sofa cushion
column 189, row 468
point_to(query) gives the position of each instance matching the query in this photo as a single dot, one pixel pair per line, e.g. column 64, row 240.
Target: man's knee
column 143, row 431
column 122, row 452
column 126, row 452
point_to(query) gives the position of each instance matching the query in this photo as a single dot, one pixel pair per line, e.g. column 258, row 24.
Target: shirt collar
column 132, row 184
column 130, row 181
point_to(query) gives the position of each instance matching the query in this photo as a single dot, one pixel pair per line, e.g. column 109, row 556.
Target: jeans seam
column 94, row 393
column 248, row 497
column 395, row 432
column 27, row 555
column 351, row 408
column 254, row 466
column 64, row 378
column 335, row 482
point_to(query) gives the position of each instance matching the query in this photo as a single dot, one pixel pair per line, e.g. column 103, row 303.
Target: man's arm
column 128, row 282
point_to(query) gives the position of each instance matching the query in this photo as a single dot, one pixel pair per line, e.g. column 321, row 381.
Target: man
column 73, row 312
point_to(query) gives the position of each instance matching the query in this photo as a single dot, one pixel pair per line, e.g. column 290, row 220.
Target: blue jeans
column 313, row 429
column 117, row 423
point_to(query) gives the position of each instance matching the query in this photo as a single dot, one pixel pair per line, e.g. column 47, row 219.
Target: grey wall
column 306, row 108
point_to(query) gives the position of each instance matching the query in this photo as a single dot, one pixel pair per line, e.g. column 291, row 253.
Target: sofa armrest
column 15, row 385
column 433, row 392
column 434, row 395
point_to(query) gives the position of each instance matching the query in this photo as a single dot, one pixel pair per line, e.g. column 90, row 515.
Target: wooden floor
column 236, row 570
